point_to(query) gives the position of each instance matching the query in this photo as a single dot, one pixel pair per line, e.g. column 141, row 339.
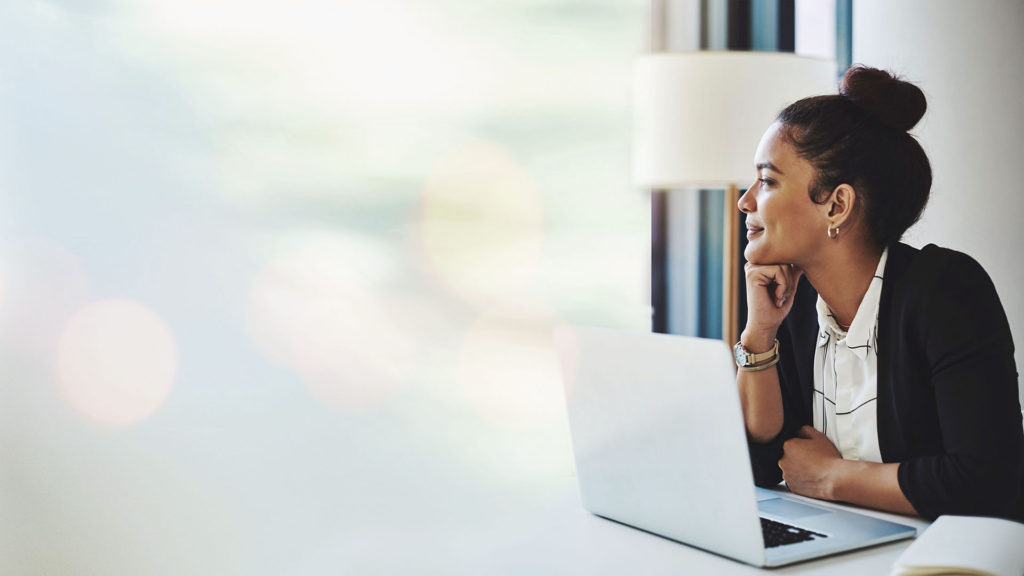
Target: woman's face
column 783, row 225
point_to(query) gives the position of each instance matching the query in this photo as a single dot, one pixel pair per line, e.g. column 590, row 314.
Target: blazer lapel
column 891, row 441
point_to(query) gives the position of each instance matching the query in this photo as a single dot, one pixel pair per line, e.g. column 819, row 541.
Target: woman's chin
column 758, row 256
column 753, row 254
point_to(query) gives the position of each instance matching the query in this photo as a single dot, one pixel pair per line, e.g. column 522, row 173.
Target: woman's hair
column 859, row 137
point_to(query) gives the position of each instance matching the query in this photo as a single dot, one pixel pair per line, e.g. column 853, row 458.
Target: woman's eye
column 766, row 181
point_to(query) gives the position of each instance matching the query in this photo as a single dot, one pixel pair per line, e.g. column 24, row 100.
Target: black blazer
column 948, row 406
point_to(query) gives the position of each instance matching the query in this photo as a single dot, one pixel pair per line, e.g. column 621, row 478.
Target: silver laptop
column 659, row 442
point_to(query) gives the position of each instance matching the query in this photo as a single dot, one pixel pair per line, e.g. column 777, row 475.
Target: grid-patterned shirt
column 845, row 376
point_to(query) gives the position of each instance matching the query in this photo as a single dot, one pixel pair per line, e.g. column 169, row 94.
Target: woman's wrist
column 842, row 475
column 757, row 341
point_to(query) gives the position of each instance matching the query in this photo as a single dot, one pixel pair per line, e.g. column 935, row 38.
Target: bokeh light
column 482, row 229
column 116, row 362
column 319, row 309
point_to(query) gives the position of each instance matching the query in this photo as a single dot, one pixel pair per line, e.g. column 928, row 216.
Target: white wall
column 967, row 57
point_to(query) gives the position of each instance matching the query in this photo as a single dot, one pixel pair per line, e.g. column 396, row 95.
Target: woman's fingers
column 793, row 278
column 770, row 291
column 778, row 279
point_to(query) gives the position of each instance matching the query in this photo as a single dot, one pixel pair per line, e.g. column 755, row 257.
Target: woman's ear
column 841, row 205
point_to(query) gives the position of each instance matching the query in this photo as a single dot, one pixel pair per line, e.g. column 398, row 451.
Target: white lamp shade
column 700, row 115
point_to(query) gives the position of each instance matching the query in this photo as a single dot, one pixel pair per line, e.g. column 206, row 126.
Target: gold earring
column 828, row 232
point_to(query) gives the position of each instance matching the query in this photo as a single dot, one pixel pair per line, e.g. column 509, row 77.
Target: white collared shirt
column 846, row 376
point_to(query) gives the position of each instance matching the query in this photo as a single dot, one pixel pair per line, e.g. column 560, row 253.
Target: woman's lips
column 753, row 231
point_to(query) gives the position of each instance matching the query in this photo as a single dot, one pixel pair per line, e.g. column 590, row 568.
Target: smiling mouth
column 753, row 231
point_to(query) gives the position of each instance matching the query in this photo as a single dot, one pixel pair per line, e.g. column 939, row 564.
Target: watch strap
column 759, row 359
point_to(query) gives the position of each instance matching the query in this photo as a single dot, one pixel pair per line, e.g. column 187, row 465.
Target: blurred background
column 276, row 277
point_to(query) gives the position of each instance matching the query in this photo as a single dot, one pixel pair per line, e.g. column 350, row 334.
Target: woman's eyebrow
column 770, row 166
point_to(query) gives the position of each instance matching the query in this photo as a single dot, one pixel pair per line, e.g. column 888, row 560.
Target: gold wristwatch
column 747, row 360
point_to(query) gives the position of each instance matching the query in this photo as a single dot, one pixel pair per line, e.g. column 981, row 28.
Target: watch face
column 739, row 355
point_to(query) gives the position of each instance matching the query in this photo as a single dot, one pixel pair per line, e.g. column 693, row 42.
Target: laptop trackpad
column 782, row 508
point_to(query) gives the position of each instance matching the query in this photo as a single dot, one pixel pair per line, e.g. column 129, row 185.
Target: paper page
column 972, row 544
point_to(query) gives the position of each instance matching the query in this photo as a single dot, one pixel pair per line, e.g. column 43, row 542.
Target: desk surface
column 295, row 489
column 316, row 506
column 553, row 534
column 568, row 540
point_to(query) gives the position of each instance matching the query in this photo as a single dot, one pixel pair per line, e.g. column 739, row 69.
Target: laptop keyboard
column 779, row 534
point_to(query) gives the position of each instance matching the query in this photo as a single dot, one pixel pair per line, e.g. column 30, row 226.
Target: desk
column 308, row 514
column 573, row 541
column 280, row 485
column 553, row 534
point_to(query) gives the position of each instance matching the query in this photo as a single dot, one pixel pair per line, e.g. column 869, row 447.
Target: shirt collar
column 859, row 337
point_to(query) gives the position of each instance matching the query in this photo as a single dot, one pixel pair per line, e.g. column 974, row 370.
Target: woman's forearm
column 760, row 394
column 761, row 400
column 870, row 484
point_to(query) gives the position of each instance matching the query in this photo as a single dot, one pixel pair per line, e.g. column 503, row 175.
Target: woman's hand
column 770, row 291
column 809, row 464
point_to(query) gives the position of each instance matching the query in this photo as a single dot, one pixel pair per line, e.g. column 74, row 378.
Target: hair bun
column 894, row 102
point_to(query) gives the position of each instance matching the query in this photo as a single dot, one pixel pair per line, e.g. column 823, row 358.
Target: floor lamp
column 698, row 117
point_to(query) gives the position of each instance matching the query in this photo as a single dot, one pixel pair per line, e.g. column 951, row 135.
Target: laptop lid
column 658, row 437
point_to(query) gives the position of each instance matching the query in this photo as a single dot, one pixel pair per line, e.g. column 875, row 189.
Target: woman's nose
column 746, row 203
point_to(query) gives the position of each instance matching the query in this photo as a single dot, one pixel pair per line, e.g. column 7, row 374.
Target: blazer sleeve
column 973, row 377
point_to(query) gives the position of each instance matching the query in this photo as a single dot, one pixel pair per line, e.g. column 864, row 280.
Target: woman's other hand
column 809, row 462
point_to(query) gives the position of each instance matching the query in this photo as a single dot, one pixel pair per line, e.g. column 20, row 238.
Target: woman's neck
column 843, row 277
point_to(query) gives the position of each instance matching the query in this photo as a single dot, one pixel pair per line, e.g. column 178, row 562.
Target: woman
column 870, row 372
